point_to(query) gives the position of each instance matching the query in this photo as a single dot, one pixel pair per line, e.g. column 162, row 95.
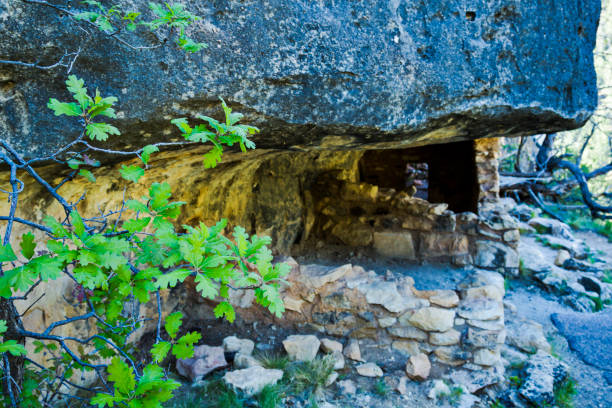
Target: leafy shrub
column 121, row 257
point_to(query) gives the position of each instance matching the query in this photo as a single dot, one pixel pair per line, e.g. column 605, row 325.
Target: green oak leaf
column 122, row 375
column 88, row 175
column 27, row 245
column 7, row 254
column 173, row 323
column 225, row 309
column 131, row 173
column 101, row 131
column 160, row 350
column 146, row 153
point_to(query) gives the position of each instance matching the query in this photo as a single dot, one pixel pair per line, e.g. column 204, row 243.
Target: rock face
column 589, row 335
column 383, row 73
column 301, row 347
column 253, row 379
column 205, row 359
column 542, row 373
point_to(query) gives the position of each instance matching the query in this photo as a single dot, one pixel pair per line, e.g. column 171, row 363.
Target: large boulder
column 328, row 74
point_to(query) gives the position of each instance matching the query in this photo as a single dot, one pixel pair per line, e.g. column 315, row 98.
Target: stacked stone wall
column 459, row 327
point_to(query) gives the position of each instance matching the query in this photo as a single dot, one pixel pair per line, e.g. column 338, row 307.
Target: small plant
column 214, row 393
column 455, row 395
column 565, row 392
column 598, row 304
column 523, row 271
column 381, row 388
column 273, row 360
column 172, row 17
column 515, row 381
column 310, row 377
column 545, row 241
column 553, row 348
column 270, row 396
column 497, row 404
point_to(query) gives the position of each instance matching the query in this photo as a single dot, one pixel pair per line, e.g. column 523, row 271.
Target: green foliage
column 516, row 381
column 87, row 108
column 381, row 388
column 309, row 377
column 273, row 360
column 228, row 133
column 131, row 173
column 270, row 396
column 497, row 404
column 455, row 396
column 173, row 18
column 142, row 253
column 10, row 346
column 565, row 392
column 213, row 393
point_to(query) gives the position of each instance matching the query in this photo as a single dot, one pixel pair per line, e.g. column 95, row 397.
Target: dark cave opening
column 444, row 173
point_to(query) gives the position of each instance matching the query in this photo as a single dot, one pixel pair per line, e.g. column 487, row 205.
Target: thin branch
column 540, row 204
column 28, row 223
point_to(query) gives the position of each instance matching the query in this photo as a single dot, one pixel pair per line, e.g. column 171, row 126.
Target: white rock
column 245, row 361
column 353, row 351
column 386, row 321
column 408, row 332
column 302, row 347
column 418, row 367
column 385, row 293
column 369, row 370
column 292, row 303
column 484, row 292
column 550, row 226
column 205, row 359
column 493, row 254
column 438, row 389
column 330, row 346
column 486, row 357
column 316, row 276
column 433, row 319
column 527, row 335
column 562, row 256
column 481, row 309
column 447, row 338
column 338, row 360
column 331, row 379
column 347, row 387
column 444, row 298
column 483, row 278
column 487, row 324
column 406, row 347
column 402, row 386
column 233, row 344
column 474, row 380
column 253, row 379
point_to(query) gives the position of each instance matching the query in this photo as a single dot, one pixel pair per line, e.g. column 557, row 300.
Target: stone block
column 433, row 319
column 395, row 244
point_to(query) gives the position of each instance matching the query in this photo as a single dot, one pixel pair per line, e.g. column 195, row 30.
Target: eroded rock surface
column 383, row 73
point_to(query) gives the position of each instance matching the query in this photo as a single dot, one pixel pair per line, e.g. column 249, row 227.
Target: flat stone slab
column 590, row 336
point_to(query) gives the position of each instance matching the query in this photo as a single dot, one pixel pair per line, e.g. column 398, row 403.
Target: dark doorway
column 444, row 173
